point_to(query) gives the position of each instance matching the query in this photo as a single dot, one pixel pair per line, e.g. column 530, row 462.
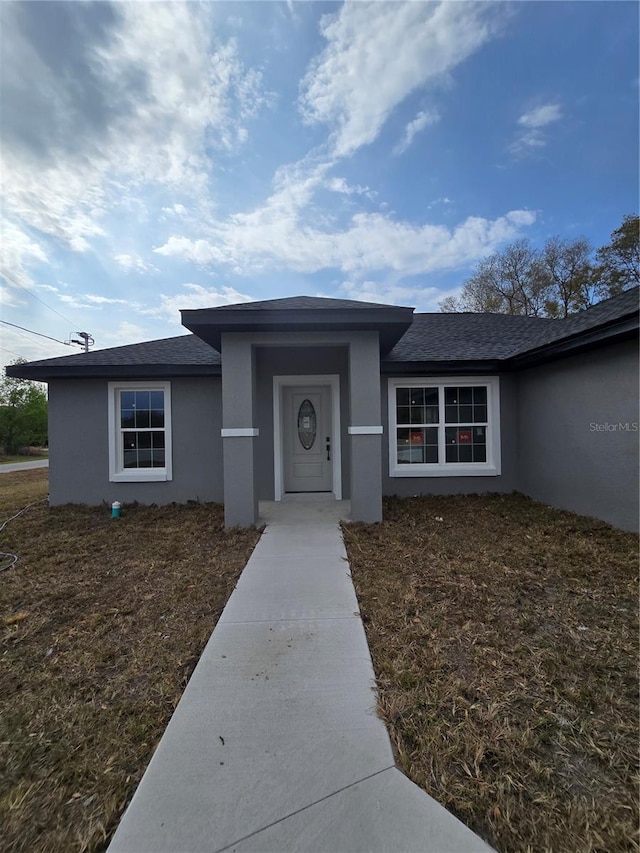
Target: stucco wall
column 561, row 439
column 573, row 454
column 506, row 481
column 296, row 361
column 78, row 438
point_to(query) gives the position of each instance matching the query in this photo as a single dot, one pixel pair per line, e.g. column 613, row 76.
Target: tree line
column 23, row 413
column 562, row 277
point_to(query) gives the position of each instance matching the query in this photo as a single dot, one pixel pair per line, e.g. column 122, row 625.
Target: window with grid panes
column 443, row 427
column 142, row 428
column 140, row 431
column 465, row 419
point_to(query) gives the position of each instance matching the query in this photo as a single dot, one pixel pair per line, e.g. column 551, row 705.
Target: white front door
column 307, row 439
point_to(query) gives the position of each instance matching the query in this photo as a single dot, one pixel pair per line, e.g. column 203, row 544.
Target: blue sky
column 162, row 156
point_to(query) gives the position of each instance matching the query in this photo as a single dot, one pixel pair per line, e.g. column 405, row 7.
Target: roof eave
column 624, row 328
column 46, row 373
column 445, row 367
column 209, row 323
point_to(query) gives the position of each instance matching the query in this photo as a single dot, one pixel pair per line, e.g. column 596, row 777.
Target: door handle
column 328, row 449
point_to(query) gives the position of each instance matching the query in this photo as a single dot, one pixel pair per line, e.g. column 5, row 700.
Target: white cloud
column 199, row 252
column 153, row 96
column 541, row 116
column 17, row 252
column 197, row 92
column 64, row 201
column 130, row 333
column 378, row 53
column 425, row 118
column 124, row 333
column 423, row 299
column 533, row 122
column 442, row 200
column 77, row 302
column 10, row 297
column 105, row 300
column 132, row 263
column 340, row 185
column 130, row 329
column 175, row 210
column 376, row 242
column 275, row 237
column 196, row 297
column 17, row 343
column 94, row 302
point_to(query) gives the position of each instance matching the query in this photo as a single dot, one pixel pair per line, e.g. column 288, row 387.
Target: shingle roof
column 183, row 350
column 466, row 337
column 587, row 324
column 479, row 337
column 430, row 338
column 300, row 314
column 604, row 312
column 303, row 302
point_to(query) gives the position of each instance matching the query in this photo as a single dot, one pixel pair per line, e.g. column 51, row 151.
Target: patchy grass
column 103, row 621
column 504, row 637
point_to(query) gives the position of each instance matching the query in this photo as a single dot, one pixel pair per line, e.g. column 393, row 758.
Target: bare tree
column 509, row 282
column 450, row 305
column 555, row 281
column 568, row 266
column 523, row 270
column 619, row 260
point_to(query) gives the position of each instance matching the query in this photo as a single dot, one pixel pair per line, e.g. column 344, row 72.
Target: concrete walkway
column 23, row 466
column 275, row 744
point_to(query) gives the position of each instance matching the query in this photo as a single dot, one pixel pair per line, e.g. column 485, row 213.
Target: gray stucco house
column 356, row 399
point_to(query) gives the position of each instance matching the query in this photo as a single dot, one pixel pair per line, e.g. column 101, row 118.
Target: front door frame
column 331, row 380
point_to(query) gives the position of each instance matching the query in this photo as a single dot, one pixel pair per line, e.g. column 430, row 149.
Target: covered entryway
column 309, row 411
column 306, row 417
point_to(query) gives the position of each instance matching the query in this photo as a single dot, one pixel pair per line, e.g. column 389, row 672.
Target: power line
column 40, row 335
column 12, row 351
column 22, row 335
column 26, row 290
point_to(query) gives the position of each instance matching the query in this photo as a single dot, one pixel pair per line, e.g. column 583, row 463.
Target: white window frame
column 490, row 468
column 117, row 472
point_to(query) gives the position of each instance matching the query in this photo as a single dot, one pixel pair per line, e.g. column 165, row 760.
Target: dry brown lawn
column 504, row 637
column 103, row 621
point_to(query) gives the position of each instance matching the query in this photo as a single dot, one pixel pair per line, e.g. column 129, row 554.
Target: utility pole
column 86, row 342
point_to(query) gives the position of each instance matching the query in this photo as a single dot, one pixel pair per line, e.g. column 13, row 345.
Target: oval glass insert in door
column 307, row 424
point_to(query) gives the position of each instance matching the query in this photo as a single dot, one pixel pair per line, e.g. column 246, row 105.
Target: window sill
column 140, row 476
column 451, row 470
